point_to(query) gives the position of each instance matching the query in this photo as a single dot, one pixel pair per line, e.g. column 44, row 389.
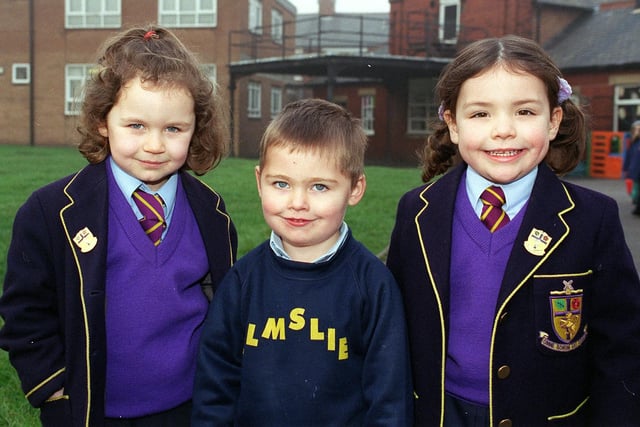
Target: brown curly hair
column 518, row 54
column 154, row 54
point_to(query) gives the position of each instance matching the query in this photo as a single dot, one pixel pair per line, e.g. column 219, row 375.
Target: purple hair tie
column 565, row 91
column 441, row 112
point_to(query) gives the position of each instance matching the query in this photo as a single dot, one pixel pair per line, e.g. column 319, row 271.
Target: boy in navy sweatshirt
column 308, row 328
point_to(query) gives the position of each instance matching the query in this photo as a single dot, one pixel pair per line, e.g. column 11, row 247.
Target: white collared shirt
column 517, row 192
column 276, row 245
column 129, row 184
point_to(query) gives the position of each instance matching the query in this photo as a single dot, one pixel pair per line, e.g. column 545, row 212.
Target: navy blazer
column 569, row 251
column 54, row 292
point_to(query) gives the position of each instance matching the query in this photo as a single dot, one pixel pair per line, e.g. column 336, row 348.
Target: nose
column 298, row 199
column 503, row 127
column 153, row 143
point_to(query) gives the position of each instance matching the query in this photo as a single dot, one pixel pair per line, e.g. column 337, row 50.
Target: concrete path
column 616, row 189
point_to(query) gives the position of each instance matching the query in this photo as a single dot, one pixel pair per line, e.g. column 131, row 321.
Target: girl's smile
column 503, row 123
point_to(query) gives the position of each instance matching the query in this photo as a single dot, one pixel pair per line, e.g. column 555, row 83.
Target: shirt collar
column 276, row 245
column 129, row 184
column 517, row 192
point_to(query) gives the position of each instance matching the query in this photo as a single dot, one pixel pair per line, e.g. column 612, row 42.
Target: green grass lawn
column 25, row 169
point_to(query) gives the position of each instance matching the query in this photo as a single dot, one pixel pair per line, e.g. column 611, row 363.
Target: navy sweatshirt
column 300, row 344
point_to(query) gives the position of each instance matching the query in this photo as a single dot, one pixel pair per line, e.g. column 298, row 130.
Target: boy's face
column 503, row 124
column 149, row 130
column 304, row 199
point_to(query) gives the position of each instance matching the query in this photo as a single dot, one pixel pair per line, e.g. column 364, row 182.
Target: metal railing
column 412, row 34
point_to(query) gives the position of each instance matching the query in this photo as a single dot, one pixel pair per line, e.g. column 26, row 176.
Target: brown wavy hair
column 519, row 55
column 154, row 54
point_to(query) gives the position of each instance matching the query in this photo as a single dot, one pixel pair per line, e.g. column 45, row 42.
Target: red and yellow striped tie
column 492, row 214
column 153, row 221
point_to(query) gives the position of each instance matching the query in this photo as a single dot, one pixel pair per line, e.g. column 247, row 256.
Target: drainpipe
column 32, row 141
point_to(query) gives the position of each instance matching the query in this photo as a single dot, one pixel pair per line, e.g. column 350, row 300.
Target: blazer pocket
column 56, row 412
column 561, row 304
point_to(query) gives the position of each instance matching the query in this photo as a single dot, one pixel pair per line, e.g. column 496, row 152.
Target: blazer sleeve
column 31, row 333
column 614, row 328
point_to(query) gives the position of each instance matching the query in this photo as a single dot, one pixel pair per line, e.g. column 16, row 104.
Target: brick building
column 47, row 48
column 382, row 67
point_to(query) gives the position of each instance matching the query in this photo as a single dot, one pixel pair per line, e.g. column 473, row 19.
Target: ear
column 258, row 174
column 103, row 130
column 451, row 124
column 554, row 123
column 357, row 191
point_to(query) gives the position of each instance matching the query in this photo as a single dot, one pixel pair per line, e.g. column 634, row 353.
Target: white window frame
column 276, row 101
column 420, row 106
column 442, row 24
column 255, row 16
column 17, row 70
column 367, row 109
column 277, row 26
column 254, row 100
column 174, row 13
column 211, row 70
column 75, row 76
column 93, row 14
column 624, row 104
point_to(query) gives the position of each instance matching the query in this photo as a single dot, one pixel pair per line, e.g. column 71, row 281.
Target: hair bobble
column 441, row 112
column 151, row 34
column 565, row 90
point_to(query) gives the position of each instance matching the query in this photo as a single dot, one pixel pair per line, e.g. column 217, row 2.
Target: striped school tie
column 153, row 221
column 492, row 214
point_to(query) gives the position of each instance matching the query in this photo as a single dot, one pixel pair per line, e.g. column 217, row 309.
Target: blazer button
column 503, row 372
column 505, row 423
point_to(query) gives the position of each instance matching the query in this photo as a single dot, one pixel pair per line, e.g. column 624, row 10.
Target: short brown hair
column 319, row 125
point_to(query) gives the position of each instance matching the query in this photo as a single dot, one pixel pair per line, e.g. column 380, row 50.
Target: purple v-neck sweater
column 478, row 262
column 154, row 312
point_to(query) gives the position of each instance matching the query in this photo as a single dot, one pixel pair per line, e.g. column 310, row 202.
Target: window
column 255, row 94
column 421, row 108
column 211, row 70
column 188, row 13
column 367, row 105
column 627, row 106
column 276, row 101
column 74, row 77
column 93, row 14
column 21, row 74
column 276, row 26
column 449, row 21
column 255, row 16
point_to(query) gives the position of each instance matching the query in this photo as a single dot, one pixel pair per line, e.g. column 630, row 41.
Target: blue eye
column 281, row 184
column 320, row 187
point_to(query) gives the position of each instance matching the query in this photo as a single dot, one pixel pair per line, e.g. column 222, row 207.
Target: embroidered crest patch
column 566, row 317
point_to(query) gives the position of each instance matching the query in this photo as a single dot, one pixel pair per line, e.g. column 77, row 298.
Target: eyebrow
column 288, row 178
column 518, row 102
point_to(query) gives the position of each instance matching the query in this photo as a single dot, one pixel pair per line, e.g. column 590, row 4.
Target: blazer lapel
column 434, row 223
column 543, row 229
column 85, row 221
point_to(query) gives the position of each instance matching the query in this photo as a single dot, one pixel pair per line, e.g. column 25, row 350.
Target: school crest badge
column 85, row 240
column 566, row 318
column 537, row 242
